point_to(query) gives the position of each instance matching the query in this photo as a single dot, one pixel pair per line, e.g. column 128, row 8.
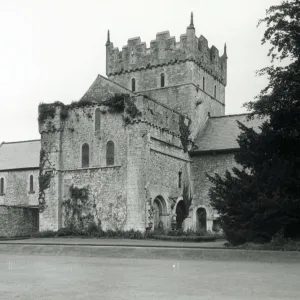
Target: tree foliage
column 263, row 196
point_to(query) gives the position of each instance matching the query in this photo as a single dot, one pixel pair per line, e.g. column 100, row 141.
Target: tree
column 263, row 196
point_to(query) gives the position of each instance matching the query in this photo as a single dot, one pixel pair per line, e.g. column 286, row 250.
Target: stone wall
column 183, row 89
column 62, row 142
column 164, row 50
column 106, row 194
column 18, row 221
column 17, row 187
column 210, row 164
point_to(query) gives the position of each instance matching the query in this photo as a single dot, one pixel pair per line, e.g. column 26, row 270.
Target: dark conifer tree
column 263, row 197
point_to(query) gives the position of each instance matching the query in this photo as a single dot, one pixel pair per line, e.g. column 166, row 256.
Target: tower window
column 215, row 91
column 179, row 180
column 133, row 84
column 31, row 184
column 85, row 156
column 97, row 119
column 203, row 84
column 110, row 153
column 2, row 186
column 162, row 80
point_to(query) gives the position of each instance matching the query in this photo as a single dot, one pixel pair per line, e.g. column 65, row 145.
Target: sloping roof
column 103, row 88
column 20, row 155
column 220, row 133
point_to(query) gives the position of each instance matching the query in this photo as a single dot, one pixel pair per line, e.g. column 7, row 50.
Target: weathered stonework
column 164, row 133
column 17, row 188
column 18, row 221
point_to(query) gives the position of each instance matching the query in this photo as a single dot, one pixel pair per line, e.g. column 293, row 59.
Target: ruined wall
column 63, row 147
column 17, row 188
column 18, row 221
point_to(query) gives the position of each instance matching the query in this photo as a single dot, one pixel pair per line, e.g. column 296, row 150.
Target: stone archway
column 160, row 213
column 180, row 214
column 201, row 219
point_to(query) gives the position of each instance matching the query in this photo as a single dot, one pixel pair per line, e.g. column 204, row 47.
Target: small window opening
column 110, row 153
column 2, row 186
column 85, row 159
column 179, row 179
column 162, row 80
column 97, row 119
column 203, row 84
column 215, row 91
column 133, row 84
column 31, row 184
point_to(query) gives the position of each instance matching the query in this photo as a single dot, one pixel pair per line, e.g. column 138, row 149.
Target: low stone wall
column 18, row 221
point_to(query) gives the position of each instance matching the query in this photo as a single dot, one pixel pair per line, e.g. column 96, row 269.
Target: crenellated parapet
column 165, row 50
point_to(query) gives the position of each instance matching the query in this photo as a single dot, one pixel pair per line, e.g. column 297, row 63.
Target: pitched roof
column 103, row 88
column 220, row 133
column 20, row 155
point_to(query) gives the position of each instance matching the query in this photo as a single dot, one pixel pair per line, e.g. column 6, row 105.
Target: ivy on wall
column 117, row 103
column 184, row 132
column 118, row 215
column 187, row 199
column 45, row 176
column 78, row 209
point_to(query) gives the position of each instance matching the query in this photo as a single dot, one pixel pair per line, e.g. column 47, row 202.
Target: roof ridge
column 233, row 115
column 19, row 142
column 99, row 75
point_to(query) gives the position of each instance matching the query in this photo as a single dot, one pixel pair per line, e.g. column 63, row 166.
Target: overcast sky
column 53, row 50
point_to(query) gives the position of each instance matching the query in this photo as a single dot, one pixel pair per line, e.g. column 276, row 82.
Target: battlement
column 165, row 50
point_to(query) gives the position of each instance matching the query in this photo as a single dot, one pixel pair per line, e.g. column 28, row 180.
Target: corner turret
column 108, row 46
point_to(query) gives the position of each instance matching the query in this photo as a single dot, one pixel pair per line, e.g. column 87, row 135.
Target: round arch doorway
column 180, row 214
column 201, row 219
column 160, row 212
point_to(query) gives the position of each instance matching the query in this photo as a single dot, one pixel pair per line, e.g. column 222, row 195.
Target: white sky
column 53, row 50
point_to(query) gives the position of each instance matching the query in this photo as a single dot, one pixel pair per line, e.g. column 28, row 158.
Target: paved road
column 49, row 277
column 116, row 242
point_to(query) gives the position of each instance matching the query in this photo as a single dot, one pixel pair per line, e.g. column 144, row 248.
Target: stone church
column 134, row 151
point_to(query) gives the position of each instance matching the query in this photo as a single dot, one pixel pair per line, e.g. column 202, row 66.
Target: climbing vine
column 118, row 103
column 187, row 199
column 118, row 215
column 44, row 178
column 151, row 211
column 184, row 132
column 76, row 206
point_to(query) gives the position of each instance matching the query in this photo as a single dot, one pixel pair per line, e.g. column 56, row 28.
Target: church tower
column 187, row 76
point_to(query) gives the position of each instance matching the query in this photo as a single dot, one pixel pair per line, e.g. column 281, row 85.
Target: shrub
column 69, row 231
column 44, row 234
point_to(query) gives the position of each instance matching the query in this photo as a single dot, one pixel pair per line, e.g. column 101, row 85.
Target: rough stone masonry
column 132, row 153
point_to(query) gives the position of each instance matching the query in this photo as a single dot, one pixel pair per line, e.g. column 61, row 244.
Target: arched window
column 110, row 153
column 133, row 84
column 215, row 92
column 97, row 119
column 203, row 84
column 85, row 156
column 162, row 79
column 2, row 186
column 31, row 184
column 179, row 179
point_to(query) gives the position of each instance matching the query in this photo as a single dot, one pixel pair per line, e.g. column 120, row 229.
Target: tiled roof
column 20, row 155
column 220, row 133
